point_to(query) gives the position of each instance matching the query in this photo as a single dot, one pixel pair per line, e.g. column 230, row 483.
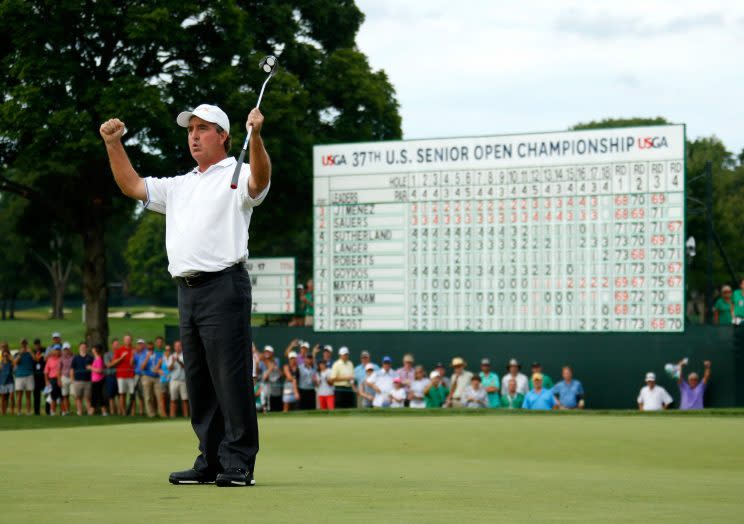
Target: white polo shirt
column 206, row 222
column 654, row 399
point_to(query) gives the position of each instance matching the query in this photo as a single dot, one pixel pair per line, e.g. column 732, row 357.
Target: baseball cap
column 269, row 349
column 650, row 377
column 56, row 335
column 513, row 362
column 292, row 354
column 56, row 346
column 304, row 344
column 369, row 367
column 343, row 351
column 408, row 358
column 328, row 347
column 397, row 380
column 485, row 362
column 434, row 374
column 537, row 376
column 387, row 360
column 364, row 354
column 140, row 341
column 66, row 345
column 206, row 112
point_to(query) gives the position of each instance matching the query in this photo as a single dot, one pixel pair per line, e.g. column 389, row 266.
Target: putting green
column 400, row 468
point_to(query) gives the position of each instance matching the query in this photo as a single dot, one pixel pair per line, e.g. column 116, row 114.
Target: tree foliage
column 69, row 65
column 146, row 258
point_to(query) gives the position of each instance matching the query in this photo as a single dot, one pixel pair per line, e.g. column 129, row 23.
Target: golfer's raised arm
column 125, row 176
column 259, row 160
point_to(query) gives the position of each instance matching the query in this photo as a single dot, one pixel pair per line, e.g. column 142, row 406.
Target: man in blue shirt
column 152, row 390
column 539, row 398
column 569, row 393
column 138, row 361
column 491, row 384
column 24, row 376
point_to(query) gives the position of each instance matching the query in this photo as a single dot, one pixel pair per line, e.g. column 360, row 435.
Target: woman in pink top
column 51, row 373
column 97, row 375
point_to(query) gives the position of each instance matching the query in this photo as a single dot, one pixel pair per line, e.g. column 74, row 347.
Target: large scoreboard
column 568, row 231
column 273, row 282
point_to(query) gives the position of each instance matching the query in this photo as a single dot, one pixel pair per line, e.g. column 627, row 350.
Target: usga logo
column 652, row 142
column 333, row 160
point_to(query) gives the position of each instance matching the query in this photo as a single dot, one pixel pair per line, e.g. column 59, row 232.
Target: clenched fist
column 255, row 120
column 112, row 130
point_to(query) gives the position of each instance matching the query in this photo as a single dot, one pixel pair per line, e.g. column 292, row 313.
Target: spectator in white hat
column 271, row 377
column 342, row 375
column 416, row 398
column 56, row 341
column 652, row 396
column 382, row 383
column 325, row 393
column 327, row 356
column 513, row 372
column 436, row 393
column 460, row 382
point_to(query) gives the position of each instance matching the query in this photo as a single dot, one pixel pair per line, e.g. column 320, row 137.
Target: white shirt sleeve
column 246, row 201
column 157, row 193
column 642, row 396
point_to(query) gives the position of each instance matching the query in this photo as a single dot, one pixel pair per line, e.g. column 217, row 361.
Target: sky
column 495, row 67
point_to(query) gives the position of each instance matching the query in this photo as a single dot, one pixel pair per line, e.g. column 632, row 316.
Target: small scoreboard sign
column 570, row 231
column 273, row 281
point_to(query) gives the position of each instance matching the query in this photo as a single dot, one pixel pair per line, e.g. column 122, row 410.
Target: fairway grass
column 401, row 468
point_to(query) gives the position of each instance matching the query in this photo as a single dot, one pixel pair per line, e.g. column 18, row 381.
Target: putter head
column 269, row 64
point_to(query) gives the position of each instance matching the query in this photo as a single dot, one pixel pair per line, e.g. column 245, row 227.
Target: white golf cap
column 343, row 351
column 140, row 341
column 292, row 354
column 433, row 375
column 650, row 377
column 304, row 344
column 206, row 112
column 66, row 345
column 269, row 349
column 328, row 347
column 369, row 367
column 56, row 335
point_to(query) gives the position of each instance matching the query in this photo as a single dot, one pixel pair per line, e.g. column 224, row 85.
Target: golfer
column 207, row 241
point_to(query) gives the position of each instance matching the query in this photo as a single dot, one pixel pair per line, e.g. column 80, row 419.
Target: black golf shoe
column 235, row 477
column 191, row 476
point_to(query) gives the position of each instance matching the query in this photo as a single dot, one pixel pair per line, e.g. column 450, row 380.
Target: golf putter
column 269, row 65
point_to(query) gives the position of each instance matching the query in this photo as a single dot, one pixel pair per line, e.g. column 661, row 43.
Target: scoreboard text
column 571, row 231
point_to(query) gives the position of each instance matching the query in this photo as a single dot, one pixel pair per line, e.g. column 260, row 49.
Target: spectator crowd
column 148, row 378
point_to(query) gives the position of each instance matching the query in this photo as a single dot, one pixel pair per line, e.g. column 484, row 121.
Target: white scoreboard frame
column 267, row 268
column 569, row 149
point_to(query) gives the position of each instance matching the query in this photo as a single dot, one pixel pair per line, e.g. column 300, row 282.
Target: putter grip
column 236, row 173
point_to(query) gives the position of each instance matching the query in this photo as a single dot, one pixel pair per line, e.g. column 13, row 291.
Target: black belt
column 198, row 279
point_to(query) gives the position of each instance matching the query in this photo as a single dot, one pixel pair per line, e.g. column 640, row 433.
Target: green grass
column 33, row 323
column 401, row 468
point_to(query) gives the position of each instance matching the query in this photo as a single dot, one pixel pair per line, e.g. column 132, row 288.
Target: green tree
column 81, row 62
column 146, row 258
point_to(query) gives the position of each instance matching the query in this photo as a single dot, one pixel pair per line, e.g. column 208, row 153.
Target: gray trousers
column 216, row 340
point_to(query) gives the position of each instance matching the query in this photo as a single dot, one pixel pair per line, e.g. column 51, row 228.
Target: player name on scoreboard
column 571, row 231
column 273, row 281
